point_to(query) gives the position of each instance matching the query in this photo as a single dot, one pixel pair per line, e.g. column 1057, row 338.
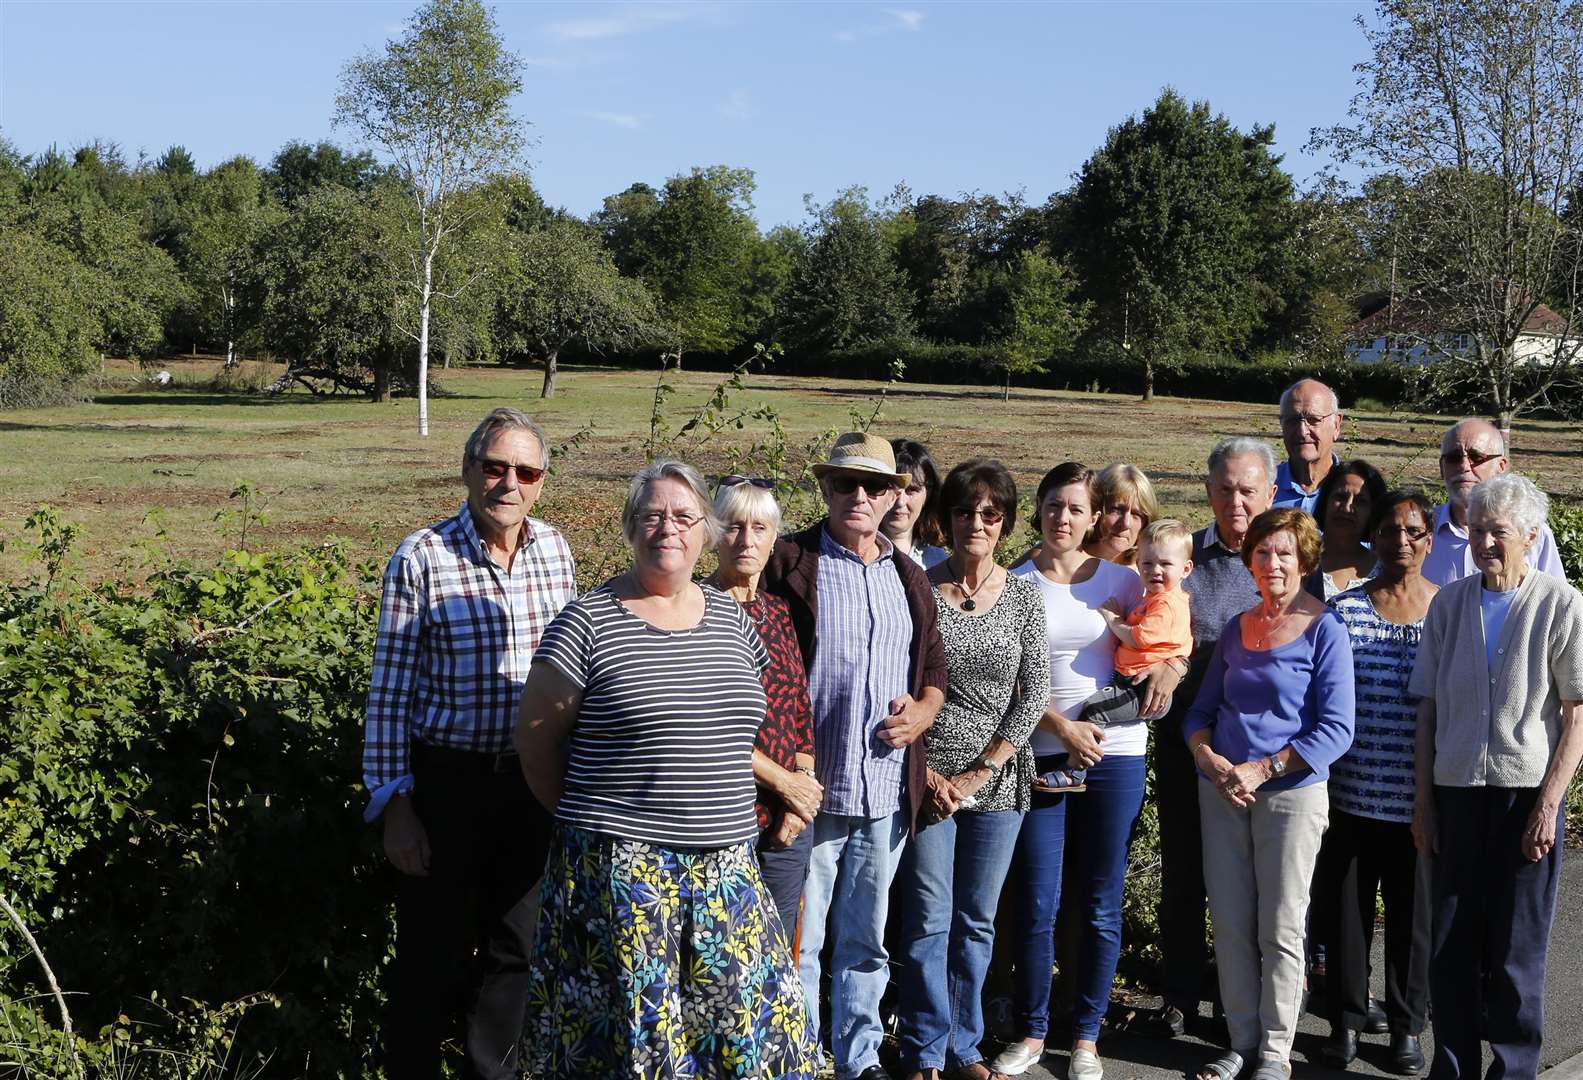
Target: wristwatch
column 994, row 767
column 1277, row 767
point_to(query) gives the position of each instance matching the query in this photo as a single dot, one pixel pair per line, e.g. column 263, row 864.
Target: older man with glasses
column 1470, row 451
column 465, row 602
column 866, row 625
column 1310, row 426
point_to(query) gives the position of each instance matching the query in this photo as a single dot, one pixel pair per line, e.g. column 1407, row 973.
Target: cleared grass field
column 347, row 467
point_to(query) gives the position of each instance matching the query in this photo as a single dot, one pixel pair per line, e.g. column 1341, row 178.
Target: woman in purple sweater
column 1274, row 711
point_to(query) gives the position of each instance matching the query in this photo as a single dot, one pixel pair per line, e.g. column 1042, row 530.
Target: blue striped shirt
column 1374, row 779
column 864, row 631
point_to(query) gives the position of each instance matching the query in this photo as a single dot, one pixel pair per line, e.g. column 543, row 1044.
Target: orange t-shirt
column 1163, row 628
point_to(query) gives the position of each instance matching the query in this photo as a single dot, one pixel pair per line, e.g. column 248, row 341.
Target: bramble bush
column 180, row 811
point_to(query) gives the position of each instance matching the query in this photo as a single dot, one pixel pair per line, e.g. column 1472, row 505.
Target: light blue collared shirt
column 1450, row 559
column 1289, row 493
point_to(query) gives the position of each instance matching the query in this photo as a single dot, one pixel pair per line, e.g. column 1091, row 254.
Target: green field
column 351, row 468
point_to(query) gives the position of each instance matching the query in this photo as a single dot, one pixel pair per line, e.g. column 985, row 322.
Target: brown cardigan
column 793, row 573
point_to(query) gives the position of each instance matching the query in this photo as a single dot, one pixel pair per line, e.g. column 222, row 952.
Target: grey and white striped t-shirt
column 662, row 750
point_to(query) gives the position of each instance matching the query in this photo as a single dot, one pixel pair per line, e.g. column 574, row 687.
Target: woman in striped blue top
column 1370, row 846
column 657, row 952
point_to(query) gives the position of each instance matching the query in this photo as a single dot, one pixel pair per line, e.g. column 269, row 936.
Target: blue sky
column 814, row 97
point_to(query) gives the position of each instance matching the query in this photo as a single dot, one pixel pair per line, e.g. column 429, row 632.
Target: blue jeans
column 1041, row 845
column 847, row 897
column 1098, row 837
column 949, row 885
column 785, row 869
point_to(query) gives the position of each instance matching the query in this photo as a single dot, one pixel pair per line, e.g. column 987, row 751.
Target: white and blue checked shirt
column 456, row 636
column 864, row 629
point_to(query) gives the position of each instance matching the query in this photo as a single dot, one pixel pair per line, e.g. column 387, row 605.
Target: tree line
column 1181, row 236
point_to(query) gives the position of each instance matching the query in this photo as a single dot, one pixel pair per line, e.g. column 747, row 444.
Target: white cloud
column 738, row 105
column 905, row 20
column 635, row 20
column 909, row 20
column 625, row 120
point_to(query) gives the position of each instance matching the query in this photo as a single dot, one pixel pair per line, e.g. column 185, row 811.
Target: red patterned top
column 788, row 724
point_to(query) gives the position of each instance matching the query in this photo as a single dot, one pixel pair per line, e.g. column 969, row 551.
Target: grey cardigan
column 1500, row 728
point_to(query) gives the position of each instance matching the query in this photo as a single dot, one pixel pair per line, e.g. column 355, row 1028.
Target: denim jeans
column 785, row 869
column 1098, row 835
column 847, row 898
column 948, row 888
column 1041, row 845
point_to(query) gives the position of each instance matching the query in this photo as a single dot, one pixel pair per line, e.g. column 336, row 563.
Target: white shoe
column 1017, row 1059
column 1084, row 1065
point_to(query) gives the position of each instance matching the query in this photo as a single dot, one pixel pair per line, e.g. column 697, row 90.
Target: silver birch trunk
column 423, row 344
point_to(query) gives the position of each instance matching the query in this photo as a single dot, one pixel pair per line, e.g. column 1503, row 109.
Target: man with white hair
column 1470, row 451
column 1240, row 486
column 465, row 602
column 1310, row 426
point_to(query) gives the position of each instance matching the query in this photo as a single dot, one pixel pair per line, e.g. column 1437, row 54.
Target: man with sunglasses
column 465, row 602
column 866, row 626
column 1470, row 451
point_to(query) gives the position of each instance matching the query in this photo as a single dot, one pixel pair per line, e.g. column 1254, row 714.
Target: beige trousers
column 1258, row 867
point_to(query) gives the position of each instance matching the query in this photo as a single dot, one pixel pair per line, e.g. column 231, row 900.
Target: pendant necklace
column 1270, row 627
column 968, row 603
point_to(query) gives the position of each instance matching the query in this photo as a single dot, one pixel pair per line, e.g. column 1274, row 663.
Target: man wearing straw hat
column 865, row 622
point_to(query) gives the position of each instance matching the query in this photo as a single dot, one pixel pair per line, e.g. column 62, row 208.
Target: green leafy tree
column 437, row 104
column 1467, row 125
column 1043, row 317
column 562, row 287
column 694, row 244
column 847, row 287
column 50, row 319
column 299, row 168
column 233, row 213
column 331, row 303
column 1174, row 222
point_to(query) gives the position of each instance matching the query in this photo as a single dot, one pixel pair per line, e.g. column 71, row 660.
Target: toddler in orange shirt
column 1160, row 628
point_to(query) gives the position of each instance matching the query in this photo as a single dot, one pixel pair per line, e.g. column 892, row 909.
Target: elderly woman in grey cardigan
column 1499, row 678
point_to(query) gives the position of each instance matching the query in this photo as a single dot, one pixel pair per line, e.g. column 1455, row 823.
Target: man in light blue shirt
column 1470, row 451
column 1310, row 426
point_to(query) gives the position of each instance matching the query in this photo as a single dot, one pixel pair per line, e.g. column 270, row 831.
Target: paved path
column 1136, row 1057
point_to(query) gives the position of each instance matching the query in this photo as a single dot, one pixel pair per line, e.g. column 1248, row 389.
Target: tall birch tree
column 437, row 105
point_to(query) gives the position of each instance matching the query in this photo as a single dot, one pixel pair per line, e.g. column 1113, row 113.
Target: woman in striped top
column 1369, row 845
column 656, row 955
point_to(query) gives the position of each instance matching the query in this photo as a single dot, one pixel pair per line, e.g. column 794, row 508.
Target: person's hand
column 1424, row 824
column 1161, row 682
column 1539, row 836
column 943, row 798
column 802, row 794
column 790, row 827
column 406, row 842
column 1082, row 743
column 1222, row 773
column 1239, row 782
column 968, row 782
column 908, row 720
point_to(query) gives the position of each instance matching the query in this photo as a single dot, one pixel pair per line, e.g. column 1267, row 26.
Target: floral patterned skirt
column 654, row 962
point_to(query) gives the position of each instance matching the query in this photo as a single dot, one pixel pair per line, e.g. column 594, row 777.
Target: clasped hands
column 1236, row 783
column 945, row 793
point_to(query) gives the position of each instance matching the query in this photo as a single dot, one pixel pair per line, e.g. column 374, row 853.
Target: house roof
column 1414, row 316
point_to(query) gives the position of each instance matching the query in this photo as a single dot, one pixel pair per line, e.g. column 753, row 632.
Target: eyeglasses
column 990, row 514
column 734, row 479
column 496, row 470
column 1391, row 532
column 1296, row 420
column 847, row 483
column 654, row 520
column 1474, row 458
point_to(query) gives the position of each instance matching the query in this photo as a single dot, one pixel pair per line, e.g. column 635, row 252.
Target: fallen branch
column 200, row 640
column 54, row 986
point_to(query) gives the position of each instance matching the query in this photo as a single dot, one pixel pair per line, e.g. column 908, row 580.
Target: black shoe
column 1406, row 1057
column 1168, row 1023
column 1374, row 1021
column 1341, row 1049
column 873, row 1072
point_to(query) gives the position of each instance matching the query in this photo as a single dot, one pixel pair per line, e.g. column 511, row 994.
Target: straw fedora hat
column 860, row 452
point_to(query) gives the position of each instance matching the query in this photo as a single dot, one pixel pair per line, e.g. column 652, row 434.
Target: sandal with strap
column 1059, row 782
column 1227, row 1066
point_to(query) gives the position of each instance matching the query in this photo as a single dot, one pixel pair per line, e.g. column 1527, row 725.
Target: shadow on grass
column 150, row 429
column 179, row 398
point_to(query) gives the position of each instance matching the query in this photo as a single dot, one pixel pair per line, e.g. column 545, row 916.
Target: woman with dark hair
column 1076, row 587
column 1274, row 711
column 1368, row 848
column 912, row 523
column 980, row 768
column 1343, row 507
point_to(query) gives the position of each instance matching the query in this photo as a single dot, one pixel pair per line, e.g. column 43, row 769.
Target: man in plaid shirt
column 465, row 602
